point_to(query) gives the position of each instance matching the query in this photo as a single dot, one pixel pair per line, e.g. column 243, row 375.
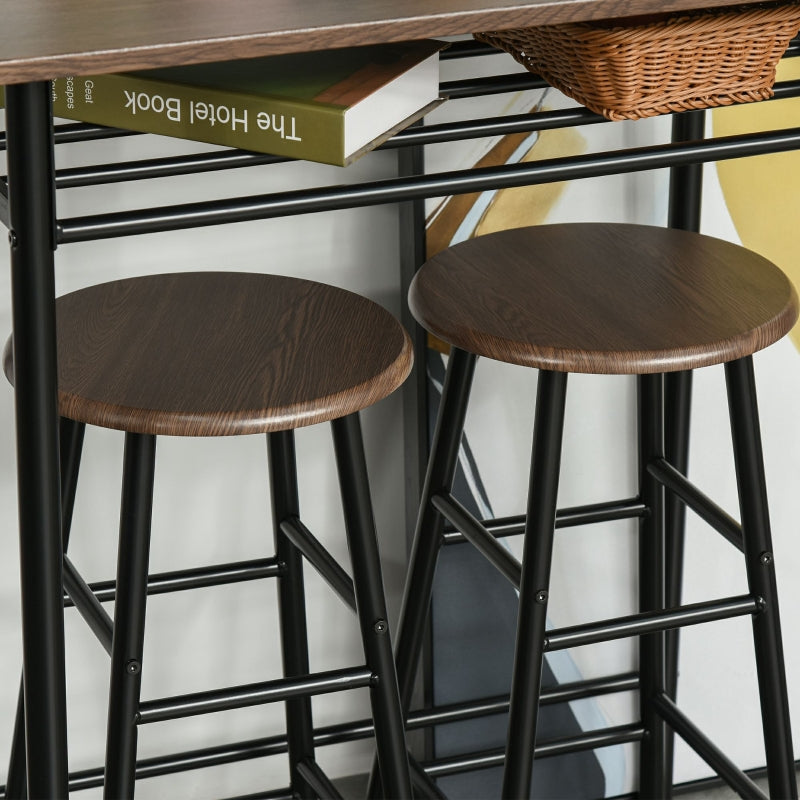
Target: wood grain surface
column 44, row 39
column 604, row 298
column 215, row 354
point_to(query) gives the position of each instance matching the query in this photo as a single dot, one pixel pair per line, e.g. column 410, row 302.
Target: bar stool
column 220, row 354
column 607, row 299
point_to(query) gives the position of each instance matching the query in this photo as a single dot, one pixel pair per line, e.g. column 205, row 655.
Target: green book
column 331, row 106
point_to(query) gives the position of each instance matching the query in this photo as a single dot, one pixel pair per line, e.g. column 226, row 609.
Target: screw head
column 12, row 239
column 541, row 596
column 766, row 558
column 381, row 626
column 133, row 667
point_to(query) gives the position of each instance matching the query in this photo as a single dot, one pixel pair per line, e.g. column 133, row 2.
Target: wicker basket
column 629, row 69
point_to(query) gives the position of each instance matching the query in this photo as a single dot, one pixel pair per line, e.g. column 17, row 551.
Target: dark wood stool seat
column 607, row 298
column 604, row 298
column 216, row 354
column 213, row 354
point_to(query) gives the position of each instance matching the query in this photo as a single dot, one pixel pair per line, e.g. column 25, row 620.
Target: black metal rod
column 350, row 731
column 472, row 709
column 319, row 558
column 129, row 612
column 291, row 603
column 526, row 679
column 145, row 169
column 760, row 565
column 479, row 537
column 467, row 48
column 65, row 133
column 677, row 417
column 254, row 694
column 32, row 237
column 88, row 605
column 700, row 503
column 707, row 750
column 631, row 508
column 637, row 624
column 590, row 740
column 565, row 518
column 394, row 190
column 413, row 252
column 593, row 687
column 373, row 616
column 423, row 783
column 686, row 181
column 71, row 436
column 460, row 130
column 195, row 578
column 561, row 693
column 493, row 84
column 428, row 536
column 320, row 783
column 652, row 754
column 200, row 758
column 427, row 541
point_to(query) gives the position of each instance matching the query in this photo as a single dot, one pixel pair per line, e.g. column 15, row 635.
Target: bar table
column 45, row 39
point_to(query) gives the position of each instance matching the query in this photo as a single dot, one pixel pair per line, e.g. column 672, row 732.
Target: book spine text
column 234, row 119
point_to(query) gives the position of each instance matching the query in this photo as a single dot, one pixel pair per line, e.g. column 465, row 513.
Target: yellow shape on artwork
column 763, row 192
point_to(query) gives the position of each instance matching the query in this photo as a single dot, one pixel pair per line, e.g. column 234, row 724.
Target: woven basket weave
column 641, row 68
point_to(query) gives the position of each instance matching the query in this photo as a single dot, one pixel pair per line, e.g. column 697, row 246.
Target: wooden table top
column 44, row 39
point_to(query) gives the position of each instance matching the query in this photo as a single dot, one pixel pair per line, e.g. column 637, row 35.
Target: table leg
column 32, row 238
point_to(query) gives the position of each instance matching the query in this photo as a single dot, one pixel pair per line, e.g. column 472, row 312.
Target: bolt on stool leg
column 760, row 565
column 291, row 604
column 535, row 584
column 371, row 606
column 129, row 611
column 653, row 777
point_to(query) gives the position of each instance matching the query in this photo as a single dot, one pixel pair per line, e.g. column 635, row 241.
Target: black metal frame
column 27, row 207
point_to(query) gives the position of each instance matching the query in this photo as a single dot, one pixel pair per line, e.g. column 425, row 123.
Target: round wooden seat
column 213, row 354
column 603, row 298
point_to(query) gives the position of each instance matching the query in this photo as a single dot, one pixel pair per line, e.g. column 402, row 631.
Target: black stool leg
column 291, row 604
column 430, row 523
column 371, row 606
column 70, row 446
column 535, row 584
column 441, row 470
column 653, row 777
column 677, row 418
column 129, row 610
column 760, row 565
